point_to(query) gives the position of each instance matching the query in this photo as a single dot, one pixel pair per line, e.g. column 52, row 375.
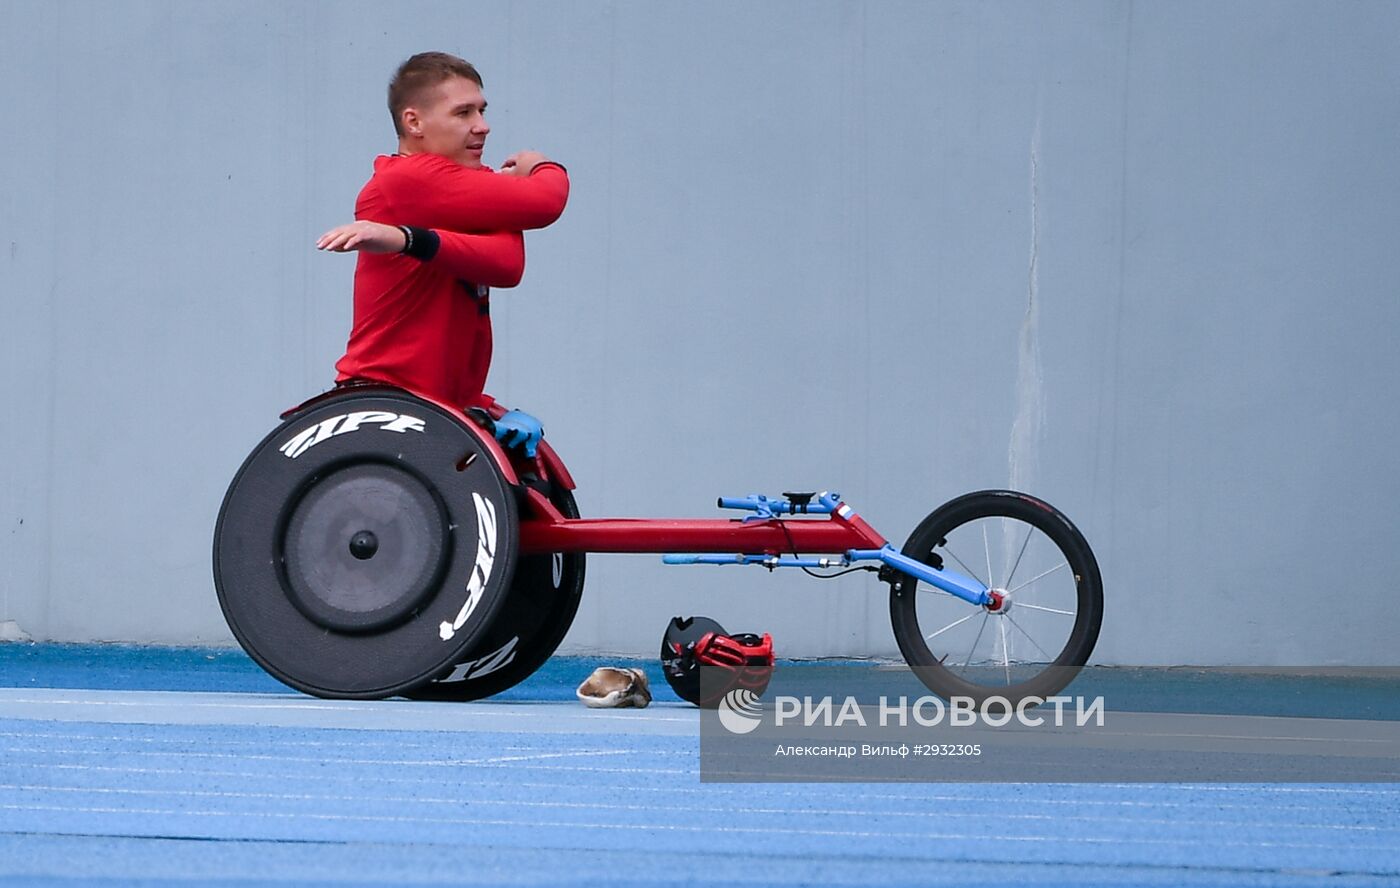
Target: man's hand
column 521, row 163
column 372, row 237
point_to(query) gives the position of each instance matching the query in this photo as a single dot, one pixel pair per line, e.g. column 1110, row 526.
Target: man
column 435, row 230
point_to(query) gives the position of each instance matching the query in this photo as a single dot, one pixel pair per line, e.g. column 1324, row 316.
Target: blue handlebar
column 822, row 504
column 710, row 559
column 768, row 561
column 680, row 559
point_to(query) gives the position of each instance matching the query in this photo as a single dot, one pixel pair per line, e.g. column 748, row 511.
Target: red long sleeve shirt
column 425, row 325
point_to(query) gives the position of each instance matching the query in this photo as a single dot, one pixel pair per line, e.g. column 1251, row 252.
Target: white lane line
column 375, row 762
column 721, row 789
column 1261, row 787
column 448, row 740
column 522, row 711
column 440, row 739
column 960, row 836
column 538, row 756
column 1154, row 735
column 300, row 706
column 420, row 730
column 445, row 762
column 322, row 760
column 359, row 780
column 370, row 778
column 663, row 809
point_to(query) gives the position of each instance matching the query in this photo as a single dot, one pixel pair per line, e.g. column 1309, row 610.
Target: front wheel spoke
column 1005, row 652
column 931, row 636
column 1060, row 566
column 1043, row 652
column 1048, row 610
column 1020, row 555
column 987, row 548
column 970, row 572
column 973, row 650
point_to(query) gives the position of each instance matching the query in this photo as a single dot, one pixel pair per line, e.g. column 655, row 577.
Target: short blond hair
column 420, row 73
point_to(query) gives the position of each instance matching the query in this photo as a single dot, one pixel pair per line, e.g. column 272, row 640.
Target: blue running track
column 131, row 765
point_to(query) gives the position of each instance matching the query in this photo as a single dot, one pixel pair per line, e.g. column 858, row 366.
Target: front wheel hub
column 999, row 603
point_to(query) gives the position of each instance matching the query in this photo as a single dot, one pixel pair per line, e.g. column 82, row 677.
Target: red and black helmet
column 696, row 648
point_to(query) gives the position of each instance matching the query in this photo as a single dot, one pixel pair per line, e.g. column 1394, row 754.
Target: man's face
column 451, row 122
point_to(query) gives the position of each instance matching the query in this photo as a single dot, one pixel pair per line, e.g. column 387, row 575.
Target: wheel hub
column 364, row 547
column 364, row 544
column 1000, row 602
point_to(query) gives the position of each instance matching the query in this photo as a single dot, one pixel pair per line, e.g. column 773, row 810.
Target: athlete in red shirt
column 436, row 229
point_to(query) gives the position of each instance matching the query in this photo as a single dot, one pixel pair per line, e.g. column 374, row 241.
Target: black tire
column 1033, row 647
column 365, row 544
column 543, row 600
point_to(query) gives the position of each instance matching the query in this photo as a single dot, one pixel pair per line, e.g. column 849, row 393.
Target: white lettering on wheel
column 328, row 428
column 481, row 572
column 486, row 665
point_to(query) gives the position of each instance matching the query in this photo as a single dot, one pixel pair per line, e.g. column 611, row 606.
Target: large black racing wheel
column 1035, row 641
column 366, row 545
column 543, row 600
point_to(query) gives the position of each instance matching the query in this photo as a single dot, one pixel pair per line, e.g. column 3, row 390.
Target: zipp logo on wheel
column 481, row 572
column 498, row 659
column 349, row 422
column 739, row 711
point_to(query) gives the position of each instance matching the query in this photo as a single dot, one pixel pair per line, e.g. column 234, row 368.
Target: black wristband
column 420, row 243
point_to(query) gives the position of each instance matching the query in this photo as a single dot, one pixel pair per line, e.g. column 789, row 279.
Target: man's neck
column 407, row 149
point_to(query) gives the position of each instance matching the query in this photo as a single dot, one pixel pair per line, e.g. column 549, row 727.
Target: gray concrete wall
column 810, row 244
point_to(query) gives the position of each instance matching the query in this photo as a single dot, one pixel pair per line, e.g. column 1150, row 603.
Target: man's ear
column 412, row 123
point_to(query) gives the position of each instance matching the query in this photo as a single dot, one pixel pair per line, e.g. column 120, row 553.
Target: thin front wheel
column 1047, row 602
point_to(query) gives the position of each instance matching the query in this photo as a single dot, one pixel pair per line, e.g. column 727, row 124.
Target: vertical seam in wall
column 1108, row 400
column 609, row 306
column 1028, row 395
column 861, row 243
column 864, row 242
column 862, row 184
column 307, row 180
column 45, row 628
column 501, row 368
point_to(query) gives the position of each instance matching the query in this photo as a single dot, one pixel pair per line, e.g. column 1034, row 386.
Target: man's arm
column 431, row 191
column 496, row 259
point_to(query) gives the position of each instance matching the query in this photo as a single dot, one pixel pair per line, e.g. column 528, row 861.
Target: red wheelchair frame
column 779, row 534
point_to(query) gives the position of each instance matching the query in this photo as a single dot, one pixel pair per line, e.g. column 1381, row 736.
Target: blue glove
column 519, row 429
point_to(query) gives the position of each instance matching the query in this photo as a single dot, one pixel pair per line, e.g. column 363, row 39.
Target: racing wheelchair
column 378, row 543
